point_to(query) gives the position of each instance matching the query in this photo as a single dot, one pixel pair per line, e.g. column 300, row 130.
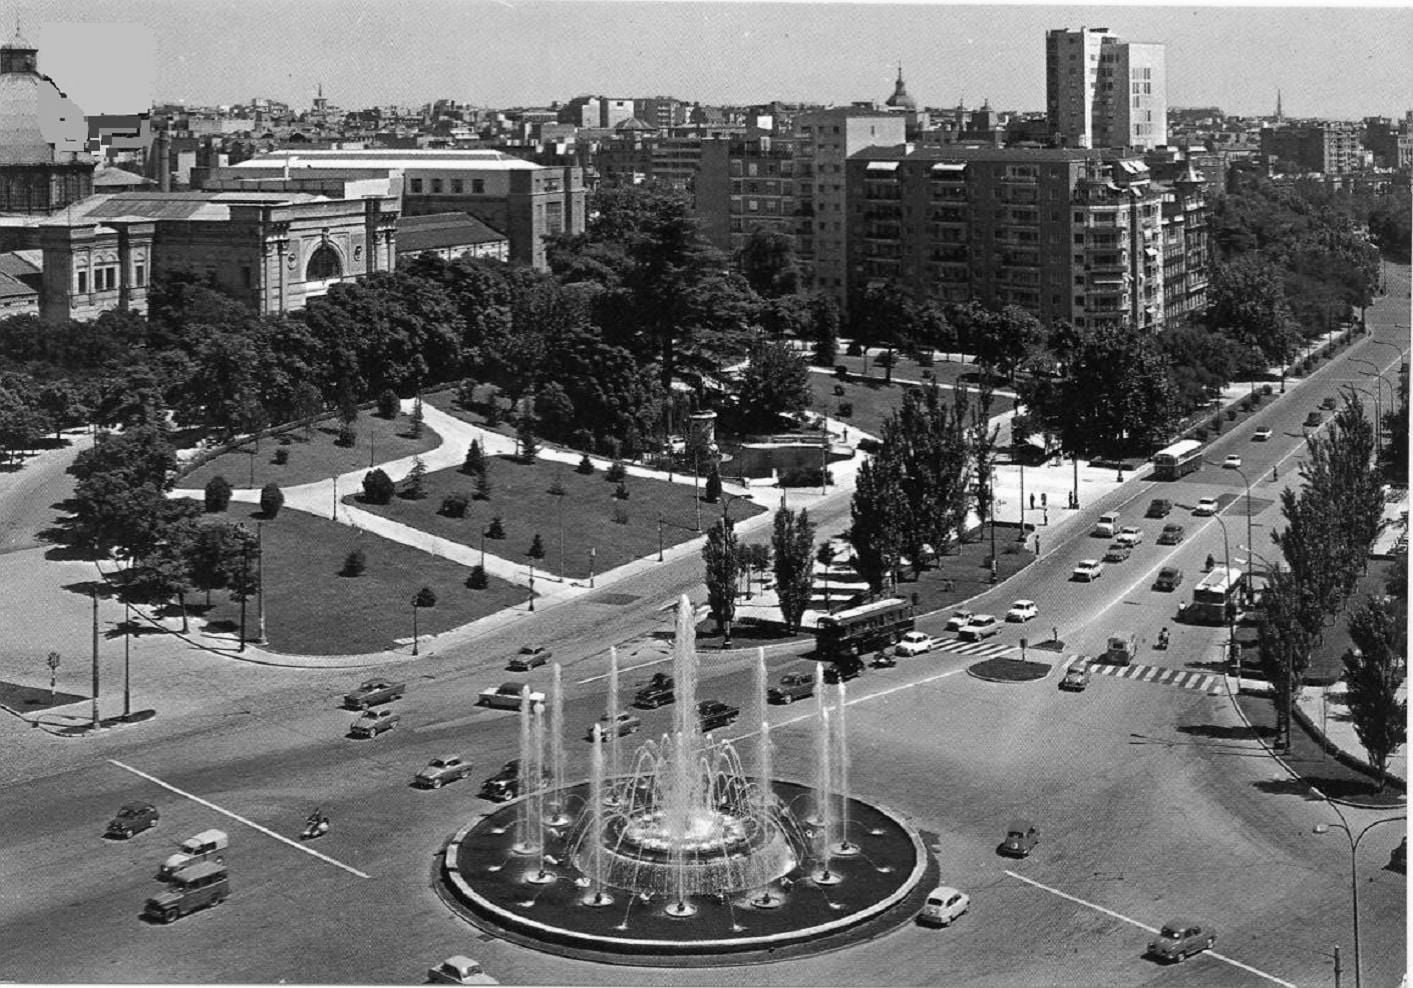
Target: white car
column 980, row 626
column 1232, row 462
column 1087, row 570
column 1129, row 536
column 506, row 696
column 459, row 970
column 958, row 619
column 944, row 905
column 1261, row 434
column 1205, row 506
column 1022, row 610
column 914, row 643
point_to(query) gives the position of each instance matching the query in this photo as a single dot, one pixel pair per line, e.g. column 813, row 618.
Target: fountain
column 694, row 854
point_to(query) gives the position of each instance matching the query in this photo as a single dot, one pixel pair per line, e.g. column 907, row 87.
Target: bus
column 850, row 633
column 1177, row 460
column 1214, row 600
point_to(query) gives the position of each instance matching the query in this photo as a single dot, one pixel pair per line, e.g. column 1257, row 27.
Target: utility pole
column 127, row 657
column 696, row 491
column 259, row 584
column 94, row 593
column 244, row 588
column 592, row 554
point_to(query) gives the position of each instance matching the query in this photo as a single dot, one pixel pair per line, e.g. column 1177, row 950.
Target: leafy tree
column 120, row 497
column 980, row 440
column 719, row 553
column 454, row 505
column 496, row 530
column 767, row 260
column 712, row 493
column 1002, row 340
column 825, row 334
column 554, row 411
column 537, row 548
column 475, row 463
column 272, row 499
column 387, row 403
column 775, row 383
column 354, row 564
column 1373, row 675
column 306, row 403
column 167, row 570
column 879, row 510
column 378, row 487
column 1285, row 644
column 615, row 473
column 1396, row 427
column 1200, row 359
column 1247, row 302
column 792, row 545
column 425, row 597
column 218, row 494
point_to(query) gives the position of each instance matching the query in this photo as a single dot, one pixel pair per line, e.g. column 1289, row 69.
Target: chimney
column 164, row 162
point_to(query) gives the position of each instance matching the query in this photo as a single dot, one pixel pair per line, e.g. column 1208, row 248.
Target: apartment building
column 1330, row 147
column 746, row 184
column 1104, row 92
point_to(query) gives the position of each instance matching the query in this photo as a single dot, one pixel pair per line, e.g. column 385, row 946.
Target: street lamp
column 532, row 584
column 1232, row 653
column 659, row 536
column 259, row 584
column 991, row 484
column 593, row 554
column 414, row 625
column 1353, row 840
column 244, row 583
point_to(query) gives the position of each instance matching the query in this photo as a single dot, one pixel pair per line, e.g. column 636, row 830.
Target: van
column 1108, row 524
column 209, row 845
column 192, row 888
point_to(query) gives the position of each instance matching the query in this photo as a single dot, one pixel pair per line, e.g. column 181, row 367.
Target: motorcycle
column 1162, row 642
column 315, row 827
column 884, row 661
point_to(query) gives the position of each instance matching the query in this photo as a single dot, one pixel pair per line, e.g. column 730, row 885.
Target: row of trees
column 790, row 554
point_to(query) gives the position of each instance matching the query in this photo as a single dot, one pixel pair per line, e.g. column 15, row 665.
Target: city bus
column 1177, row 460
column 850, row 633
column 1214, row 600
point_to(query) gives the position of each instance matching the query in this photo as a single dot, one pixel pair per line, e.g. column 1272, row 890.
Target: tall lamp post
column 532, row 584
column 991, row 486
column 259, row 585
column 127, row 657
column 244, row 585
column 414, row 625
column 593, row 554
column 1353, row 840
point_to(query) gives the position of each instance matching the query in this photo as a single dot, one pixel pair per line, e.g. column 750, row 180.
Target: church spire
column 1279, row 114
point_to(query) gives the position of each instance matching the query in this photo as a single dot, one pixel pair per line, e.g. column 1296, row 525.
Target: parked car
column 209, row 845
column 958, row 618
column 621, row 725
column 133, row 818
column 980, row 626
column 914, row 643
column 506, row 696
column 201, row 885
column 1172, row 535
column 440, row 771
column 713, row 714
column 1130, row 536
column 657, row 691
column 1107, row 525
column 373, row 692
column 1232, row 462
column 374, row 722
column 1117, row 553
column 1313, row 419
column 1169, row 578
column 1179, row 939
column 1205, row 506
column 1087, row 570
column 793, row 686
column 1021, row 838
column 528, row 658
column 1159, row 508
column 1022, row 610
column 1262, row 433
column 943, row 906
column 1076, row 678
column 459, row 970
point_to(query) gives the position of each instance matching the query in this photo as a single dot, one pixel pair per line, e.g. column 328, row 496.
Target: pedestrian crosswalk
column 972, row 648
column 1161, row 675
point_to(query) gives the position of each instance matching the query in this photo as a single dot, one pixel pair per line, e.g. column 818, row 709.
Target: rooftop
column 437, row 230
column 405, row 158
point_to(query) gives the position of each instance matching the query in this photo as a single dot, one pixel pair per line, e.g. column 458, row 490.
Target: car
column 980, row 626
column 1021, row 838
column 1117, row 553
column 1159, row 508
column 843, row 669
column 1232, row 462
column 1087, row 570
column 1172, row 535
column 884, row 660
column 1169, row 577
column 1205, row 506
column 713, row 714
column 943, row 906
column 132, row 818
column 507, row 696
column 958, row 618
column 504, row 785
column 1262, row 433
column 372, row 692
column 529, row 658
column 1313, row 419
column 657, row 691
column 1107, row 525
column 1330, row 402
column 440, row 771
column 621, row 725
column 1076, row 677
column 459, row 970
column 914, row 643
column 209, row 845
column 1022, row 610
column 1179, row 939
column 203, row 884
column 374, row 722
column 793, row 686
column 1130, row 536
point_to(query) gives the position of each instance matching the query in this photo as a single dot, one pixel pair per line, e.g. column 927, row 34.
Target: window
column 436, row 185
column 554, row 217
column 478, row 186
column 752, row 205
column 457, row 186
column 416, row 184
column 83, row 282
column 139, row 275
column 323, row 264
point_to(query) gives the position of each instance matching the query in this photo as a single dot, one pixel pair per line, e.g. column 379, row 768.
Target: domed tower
column 18, row 55
column 43, row 165
column 900, row 100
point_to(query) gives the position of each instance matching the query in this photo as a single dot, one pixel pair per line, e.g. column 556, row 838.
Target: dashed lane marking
column 238, row 818
column 1144, row 926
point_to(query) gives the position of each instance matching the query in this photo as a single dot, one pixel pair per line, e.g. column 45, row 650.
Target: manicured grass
column 310, row 609
column 1008, row 670
column 520, row 496
column 873, row 400
column 315, row 456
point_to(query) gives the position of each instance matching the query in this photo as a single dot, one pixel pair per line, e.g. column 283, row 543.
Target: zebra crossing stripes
column 1160, row 675
column 972, row 648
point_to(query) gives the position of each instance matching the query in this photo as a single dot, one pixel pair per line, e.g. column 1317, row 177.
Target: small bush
column 840, row 391
column 855, row 349
column 802, row 477
column 476, row 580
column 621, row 491
column 713, row 485
column 378, row 487
column 272, row 499
column 1231, row 414
column 496, row 530
column 387, row 404
column 927, row 375
column 586, row 466
column 924, row 359
column 1216, row 424
column 581, row 438
column 1267, row 389
column 475, row 462
column 281, row 456
column 285, row 440
column 1256, row 399
column 218, row 494
column 348, row 435
column 354, row 563
column 841, row 372
column 615, row 473
column 867, row 445
column 454, row 505
column 846, row 409
column 466, row 393
column 425, row 597
column 620, row 514
column 537, row 547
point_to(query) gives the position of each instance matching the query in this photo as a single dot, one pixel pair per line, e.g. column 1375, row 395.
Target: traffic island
column 1008, row 670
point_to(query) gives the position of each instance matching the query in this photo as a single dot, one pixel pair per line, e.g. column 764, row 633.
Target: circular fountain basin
column 784, row 904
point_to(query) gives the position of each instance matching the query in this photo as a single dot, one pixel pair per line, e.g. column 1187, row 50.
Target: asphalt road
column 1152, row 798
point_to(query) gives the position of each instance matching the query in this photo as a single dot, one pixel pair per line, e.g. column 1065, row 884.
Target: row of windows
column 105, row 278
column 458, row 187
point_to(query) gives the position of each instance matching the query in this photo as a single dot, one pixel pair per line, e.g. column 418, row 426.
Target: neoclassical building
column 43, row 164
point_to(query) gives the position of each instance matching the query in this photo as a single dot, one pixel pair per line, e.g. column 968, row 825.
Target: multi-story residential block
column 1104, row 92
column 1391, row 144
column 1330, row 147
column 746, row 184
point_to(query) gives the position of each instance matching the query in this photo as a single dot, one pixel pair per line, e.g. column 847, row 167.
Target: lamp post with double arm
column 1354, row 840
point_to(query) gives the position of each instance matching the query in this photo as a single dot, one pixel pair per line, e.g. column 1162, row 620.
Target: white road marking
column 238, row 818
column 850, row 702
column 623, row 669
column 1144, row 926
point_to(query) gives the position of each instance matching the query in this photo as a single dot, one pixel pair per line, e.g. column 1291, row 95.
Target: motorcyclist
column 318, row 820
column 1211, row 561
column 1163, row 638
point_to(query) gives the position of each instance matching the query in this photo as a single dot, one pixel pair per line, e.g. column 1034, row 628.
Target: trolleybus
column 1177, row 460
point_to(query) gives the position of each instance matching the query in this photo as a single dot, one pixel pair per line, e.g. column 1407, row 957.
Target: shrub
column 272, row 499
column 537, row 548
column 476, row 580
column 525, row 439
column 387, row 404
column 846, row 409
column 425, row 597
column 620, row 514
column 348, row 435
column 924, row 358
column 841, row 372
column 492, row 410
column 802, row 477
column 1231, row 413
column 475, row 462
column 556, row 488
column 495, row 530
column 855, row 349
column 713, row 485
column 839, row 391
column 281, row 456
column 927, row 375
column 1267, row 389
column 378, row 487
column 418, row 418
column 615, row 473
column 621, row 491
column 354, row 563
column 1201, row 435
column 612, row 447
column 415, row 483
column 454, row 505
column 218, row 494
column 581, row 439
column 285, row 440
column 466, row 393
column 1216, row 424
column 1255, row 399
column 869, row 445
column 586, row 465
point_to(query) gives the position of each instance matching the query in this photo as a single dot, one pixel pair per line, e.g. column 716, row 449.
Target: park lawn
column 873, row 400
column 315, row 457
column 520, row 497
column 444, row 400
column 311, row 610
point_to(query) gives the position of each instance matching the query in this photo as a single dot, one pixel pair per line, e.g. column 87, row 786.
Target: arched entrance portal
column 323, row 264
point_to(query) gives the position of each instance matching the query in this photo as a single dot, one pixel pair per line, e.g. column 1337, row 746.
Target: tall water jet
column 559, row 814
column 538, row 781
column 824, row 809
column 764, row 773
column 615, row 758
column 762, row 705
column 598, row 897
column 684, row 673
column 841, row 769
column 523, row 844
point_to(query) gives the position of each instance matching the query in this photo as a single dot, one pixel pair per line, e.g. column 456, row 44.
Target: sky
column 118, row 56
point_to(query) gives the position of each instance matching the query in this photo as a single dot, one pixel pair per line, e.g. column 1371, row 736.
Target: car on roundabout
column 1076, row 677
column 1117, row 553
column 980, row 626
column 371, row 723
column 621, row 725
column 1021, row 838
column 440, row 771
column 661, row 689
column 1205, row 506
column 505, row 784
column 914, row 643
column 1159, row 507
column 793, row 686
column 1232, row 462
column 529, row 657
column 958, row 619
column 1172, row 535
column 507, row 696
column 459, row 970
column 1088, row 570
column 1022, row 610
column 1179, row 939
column 713, row 714
column 943, row 906
column 132, row 818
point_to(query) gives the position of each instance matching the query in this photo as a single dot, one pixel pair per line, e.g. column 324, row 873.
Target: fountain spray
column 841, row 764
column 595, row 869
column 538, row 781
column 826, row 778
column 559, row 816
column 615, row 758
column 522, row 819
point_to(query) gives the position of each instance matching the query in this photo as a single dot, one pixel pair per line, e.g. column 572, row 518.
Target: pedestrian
column 1032, row 502
column 1042, row 499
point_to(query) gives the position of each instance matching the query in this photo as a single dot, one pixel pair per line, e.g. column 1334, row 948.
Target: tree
column 554, row 410
column 585, row 467
column 1373, row 674
column 879, row 511
column 719, row 552
column 387, row 403
column 354, row 564
column 767, row 260
column 454, row 505
column 378, row 487
column 415, row 485
column 272, row 499
column 218, row 494
column 475, row 463
column 1285, row 644
column 1000, row 341
column 525, row 439
column 167, row 570
column 776, row 382
column 418, row 418
column 483, row 487
column 425, row 597
column 537, row 548
column 792, row 546
column 1247, row 302
column 476, row 580
column 712, row 492
column 496, row 530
